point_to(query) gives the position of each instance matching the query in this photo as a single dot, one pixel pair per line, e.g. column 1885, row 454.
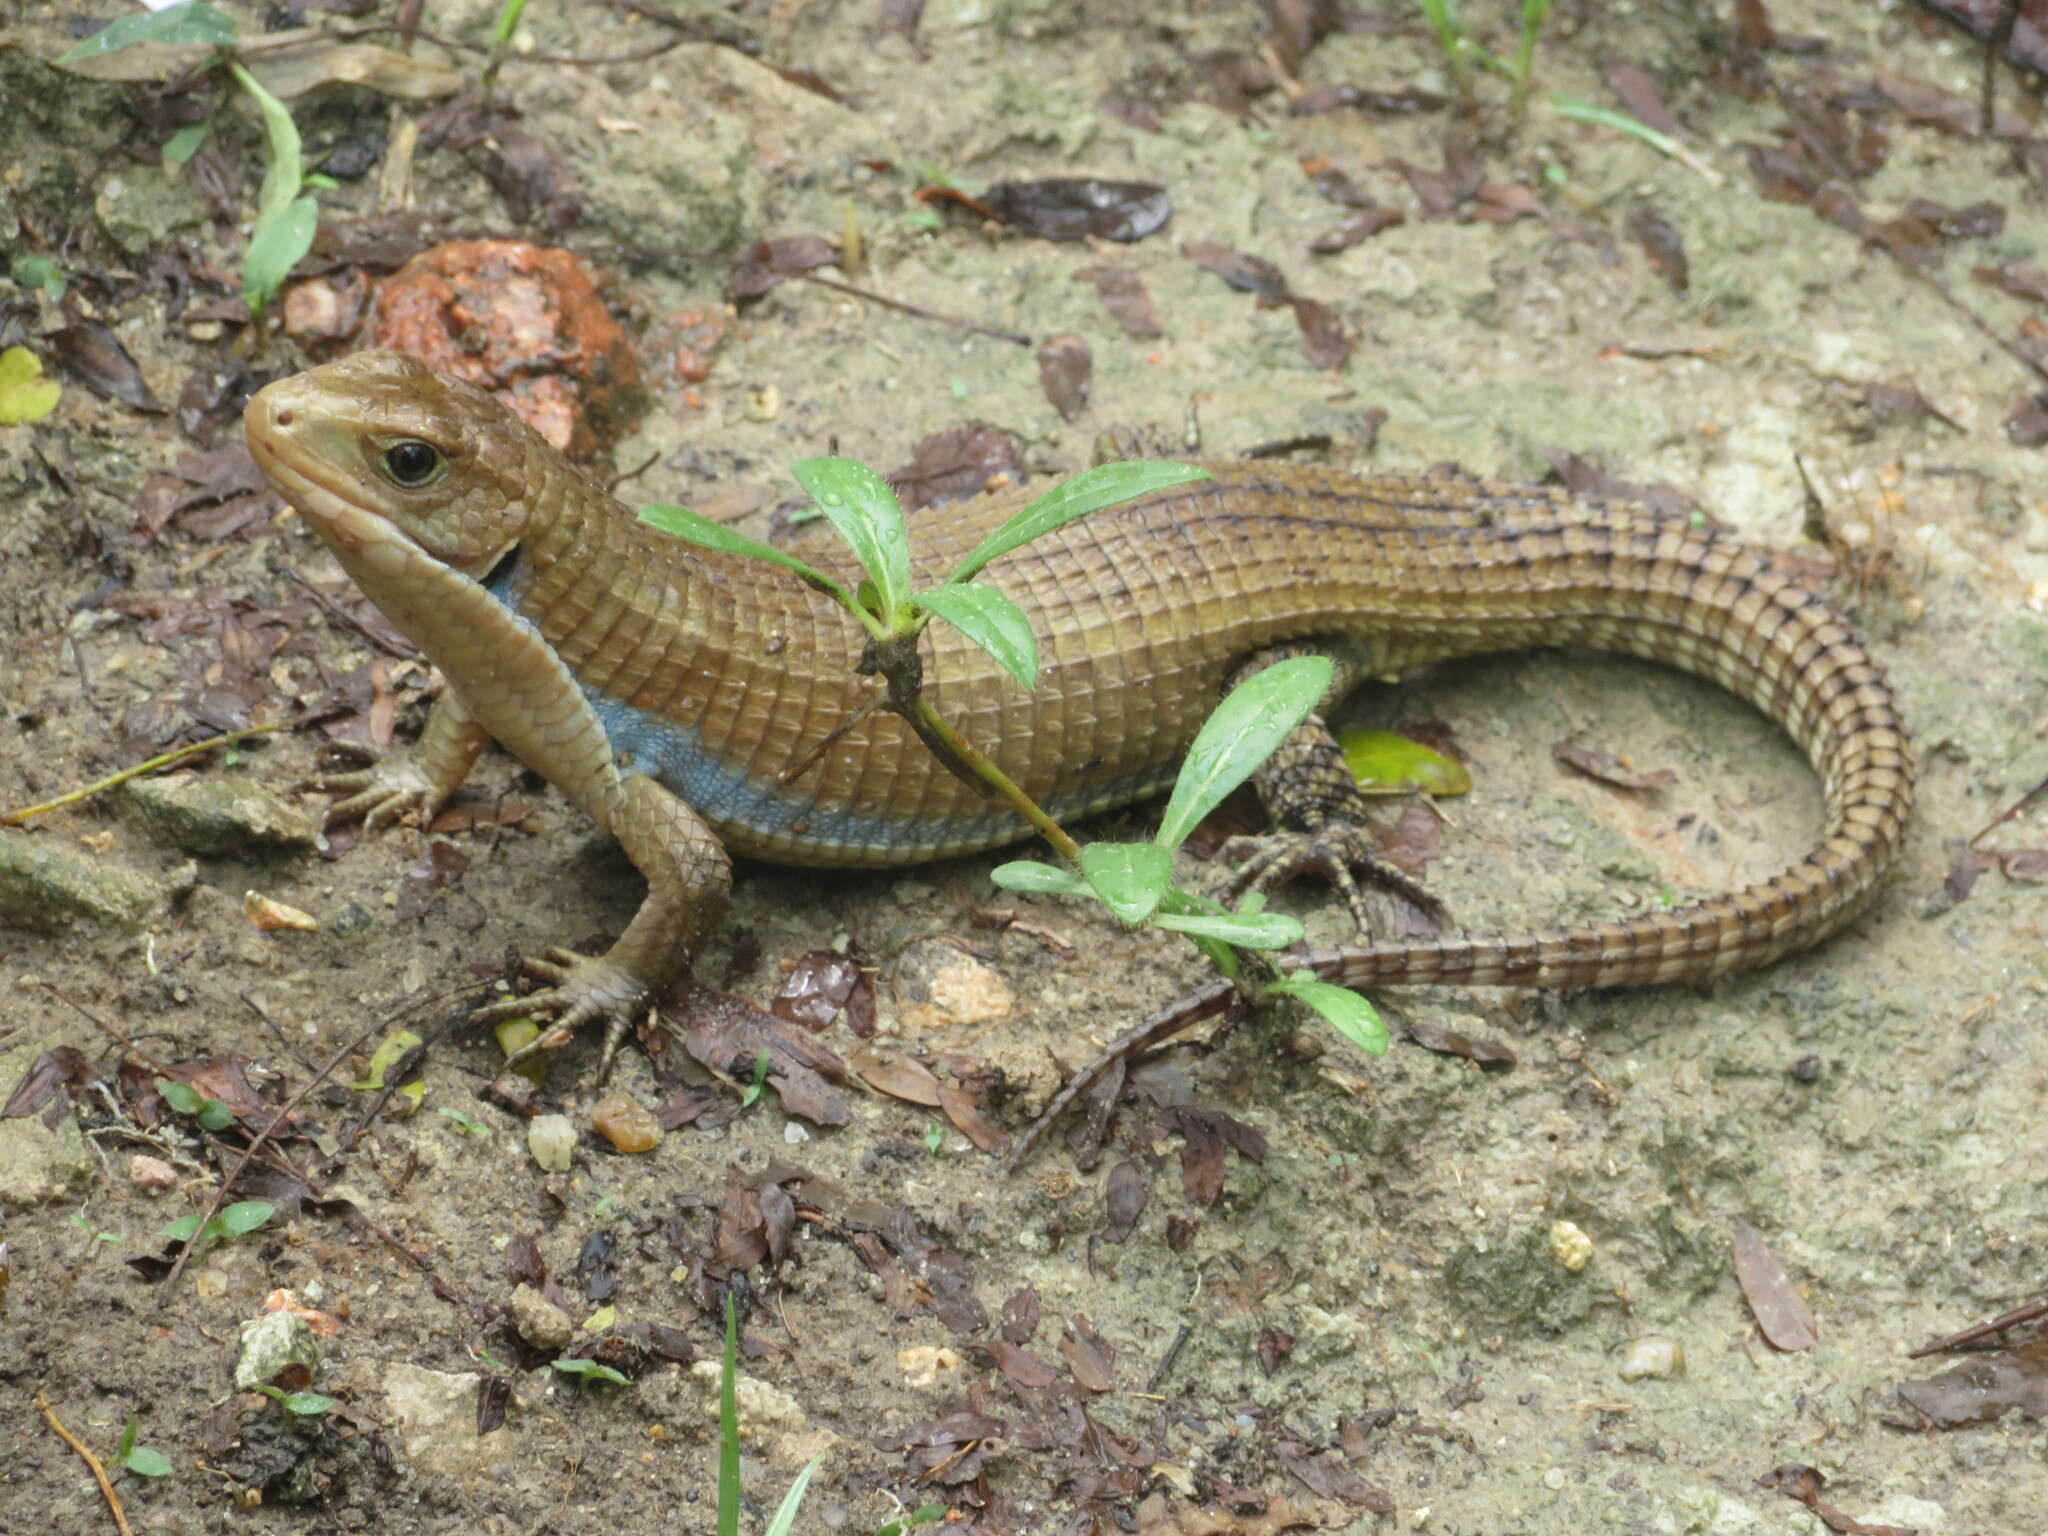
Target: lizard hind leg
column 1322, row 824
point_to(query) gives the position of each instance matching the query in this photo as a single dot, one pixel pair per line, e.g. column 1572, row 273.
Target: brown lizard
column 663, row 688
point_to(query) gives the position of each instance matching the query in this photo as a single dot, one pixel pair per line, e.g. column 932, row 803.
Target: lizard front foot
column 1339, row 850
column 580, row 990
column 381, row 794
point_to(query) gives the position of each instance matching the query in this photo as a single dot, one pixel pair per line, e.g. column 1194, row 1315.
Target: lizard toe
column 1340, row 851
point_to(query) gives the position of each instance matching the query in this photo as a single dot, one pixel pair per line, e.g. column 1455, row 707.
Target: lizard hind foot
column 578, row 990
column 378, row 795
column 1341, row 851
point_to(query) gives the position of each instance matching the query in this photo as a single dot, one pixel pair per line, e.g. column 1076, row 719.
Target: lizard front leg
column 422, row 778
column 689, row 882
column 1322, row 824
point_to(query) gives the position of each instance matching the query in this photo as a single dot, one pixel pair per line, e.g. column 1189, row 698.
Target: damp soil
column 1372, row 1319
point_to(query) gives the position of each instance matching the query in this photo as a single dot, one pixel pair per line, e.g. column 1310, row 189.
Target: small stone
column 434, row 1413
column 1569, row 1243
column 764, row 404
column 937, row 983
column 269, row 915
column 626, row 1123
column 1652, row 1355
column 539, row 1321
column 273, row 1344
column 1556, row 1478
column 763, row 1409
column 794, row 1134
column 552, row 1141
column 46, row 887
column 209, row 816
column 926, row 1365
column 151, row 1172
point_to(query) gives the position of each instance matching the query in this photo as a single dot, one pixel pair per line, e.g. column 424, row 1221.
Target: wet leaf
column 1081, row 208
column 1452, row 1042
column 1106, row 485
column 1802, row 1484
column 1780, row 1311
column 1087, row 1356
column 816, row 988
column 1608, row 769
column 2021, row 279
column 1125, row 1196
column 1984, row 1388
column 1247, row 274
column 93, row 354
column 1124, row 295
column 767, row 264
column 1359, row 227
column 1129, row 878
column 1066, row 373
column 1383, row 763
column 1663, row 244
column 961, row 1105
column 858, row 503
column 957, row 463
column 1020, row 1365
column 901, row 1077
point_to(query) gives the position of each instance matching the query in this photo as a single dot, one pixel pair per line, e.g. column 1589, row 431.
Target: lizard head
column 377, row 449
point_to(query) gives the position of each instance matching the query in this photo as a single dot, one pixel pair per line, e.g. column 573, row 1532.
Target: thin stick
column 914, row 309
column 2032, row 1311
column 99, row 1473
column 163, row 760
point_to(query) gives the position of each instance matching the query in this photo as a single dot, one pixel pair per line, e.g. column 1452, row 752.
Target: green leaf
column 184, row 144
column 762, row 1063
column 1039, row 879
column 859, row 503
column 180, row 1096
column 991, row 621
column 785, row 1514
column 127, row 1442
column 1246, row 728
column 701, row 531
column 215, row 1116
column 275, row 246
column 182, row 1230
column 144, row 1462
column 589, row 1370
column 924, row 1514
column 1385, row 764
column 729, row 1429
column 307, row 1405
column 1130, row 878
column 25, row 395
column 1103, row 486
column 1349, row 1014
column 390, row 1051
column 1257, row 930
column 36, row 270
column 283, row 152
column 245, row 1216
column 190, row 22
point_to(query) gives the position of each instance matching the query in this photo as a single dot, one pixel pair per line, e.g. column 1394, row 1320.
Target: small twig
column 326, row 604
column 99, row 1473
column 1994, row 46
column 802, row 765
column 632, row 474
column 914, row 309
column 162, row 760
column 2008, row 813
column 2030, row 1312
column 1180, row 1339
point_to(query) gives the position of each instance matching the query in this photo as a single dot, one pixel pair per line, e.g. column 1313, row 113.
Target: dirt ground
column 1370, row 1325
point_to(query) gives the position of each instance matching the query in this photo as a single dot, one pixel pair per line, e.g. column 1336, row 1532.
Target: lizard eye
column 412, row 462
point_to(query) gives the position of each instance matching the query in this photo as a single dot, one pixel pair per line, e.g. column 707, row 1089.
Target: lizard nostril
column 283, row 418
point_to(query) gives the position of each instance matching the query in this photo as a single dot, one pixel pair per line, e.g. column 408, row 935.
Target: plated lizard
column 663, row 688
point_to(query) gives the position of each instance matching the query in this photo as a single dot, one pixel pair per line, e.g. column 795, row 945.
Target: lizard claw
column 579, row 990
column 380, row 794
column 1334, row 851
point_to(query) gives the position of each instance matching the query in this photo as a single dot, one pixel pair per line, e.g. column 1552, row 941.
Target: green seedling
column 934, row 1137
column 1133, row 880
column 758, row 1082
column 589, row 1370
column 902, row 1525
column 299, row 1405
column 236, row 1220
column 140, row 1460
column 211, row 1114
column 509, row 14
column 286, row 214
column 92, row 1231
column 25, row 395
column 35, row 270
column 729, row 1445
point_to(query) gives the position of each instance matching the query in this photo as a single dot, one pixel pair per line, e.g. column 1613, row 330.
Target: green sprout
column 509, row 14
column 140, row 1459
column 728, row 1523
column 286, row 214
column 244, row 1216
column 299, row 1405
